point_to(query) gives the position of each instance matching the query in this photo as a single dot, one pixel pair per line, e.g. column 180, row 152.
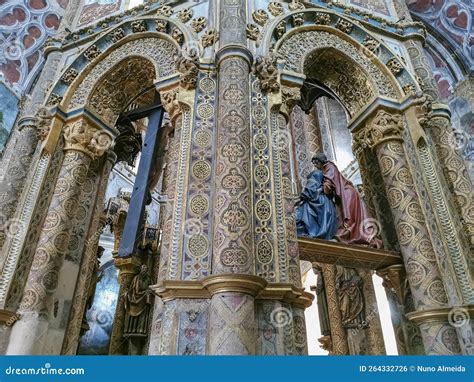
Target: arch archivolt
column 156, row 39
column 297, row 37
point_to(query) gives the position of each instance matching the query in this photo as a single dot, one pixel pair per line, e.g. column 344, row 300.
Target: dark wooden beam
column 141, row 189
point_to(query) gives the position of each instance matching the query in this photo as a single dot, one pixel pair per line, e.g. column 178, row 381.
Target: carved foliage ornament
column 296, row 5
column 177, row 35
column 138, row 26
column 383, row 127
column 198, row 24
column 185, row 15
column 165, row 10
column 209, row 38
column 344, row 26
column 395, row 66
column 161, row 25
column 260, row 17
column 298, row 19
column 290, row 96
column 266, row 70
column 253, row 33
column 371, row 44
column 91, row 53
column 281, row 28
column 80, row 136
column 117, row 34
column 275, row 8
column 188, row 70
column 322, row 18
column 69, row 76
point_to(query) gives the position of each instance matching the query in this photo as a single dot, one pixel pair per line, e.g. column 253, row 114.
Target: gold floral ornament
column 384, row 126
column 275, row 8
column 281, row 28
column 298, row 19
column 198, row 24
column 185, row 15
column 266, row 71
column 54, row 99
column 161, row 25
column 395, row 66
column 177, row 35
column 253, row 33
column 165, row 11
column 117, row 34
column 138, row 26
column 296, row 6
column 409, row 89
column 344, row 26
column 260, row 17
column 188, row 68
column 209, row 38
column 92, row 52
column 322, row 18
column 69, row 76
column 79, row 136
column 371, row 44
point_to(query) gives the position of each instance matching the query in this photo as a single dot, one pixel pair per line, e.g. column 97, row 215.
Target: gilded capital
column 385, row 126
column 79, row 136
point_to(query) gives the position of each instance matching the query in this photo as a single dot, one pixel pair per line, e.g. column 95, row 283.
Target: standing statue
column 351, row 297
column 352, row 212
column 137, row 309
column 316, row 215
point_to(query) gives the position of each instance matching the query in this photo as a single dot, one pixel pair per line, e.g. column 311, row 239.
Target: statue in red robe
column 355, row 223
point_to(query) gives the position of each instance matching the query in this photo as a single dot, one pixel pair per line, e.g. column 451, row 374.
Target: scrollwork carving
column 298, row 19
column 69, row 76
column 44, row 123
column 383, row 127
column 117, row 34
column 344, row 26
column 79, row 136
column 322, row 18
column 395, row 66
column 92, row 52
column 275, row 8
column 296, row 6
column 164, row 10
column 161, row 25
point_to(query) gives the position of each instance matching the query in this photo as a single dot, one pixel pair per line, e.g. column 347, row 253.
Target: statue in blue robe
column 316, row 214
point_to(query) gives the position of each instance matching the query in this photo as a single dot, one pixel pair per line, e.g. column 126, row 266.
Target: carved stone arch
column 318, row 29
column 132, row 35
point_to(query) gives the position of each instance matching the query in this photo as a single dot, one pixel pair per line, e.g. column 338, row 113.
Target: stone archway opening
column 336, row 91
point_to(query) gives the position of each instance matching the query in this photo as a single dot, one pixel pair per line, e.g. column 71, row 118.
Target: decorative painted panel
column 24, row 27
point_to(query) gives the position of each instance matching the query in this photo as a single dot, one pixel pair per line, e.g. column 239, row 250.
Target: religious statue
column 351, row 298
column 316, row 214
column 352, row 212
column 137, row 309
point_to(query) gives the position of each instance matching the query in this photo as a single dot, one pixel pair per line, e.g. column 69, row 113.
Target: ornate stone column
column 407, row 333
column 14, row 171
column 82, row 144
column 89, row 259
column 383, row 133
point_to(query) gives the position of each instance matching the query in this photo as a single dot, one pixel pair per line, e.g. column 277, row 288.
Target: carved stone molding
column 209, row 38
column 165, row 10
column 185, row 15
column 260, row 17
column 79, row 136
column 275, row 8
column 198, row 24
column 394, row 279
column 233, row 283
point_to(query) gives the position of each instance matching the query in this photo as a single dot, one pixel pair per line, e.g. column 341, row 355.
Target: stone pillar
column 440, row 130
column 14, row 172
column 407, row 333
column 89, row 259
column 384, row 134
column 82, row 144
